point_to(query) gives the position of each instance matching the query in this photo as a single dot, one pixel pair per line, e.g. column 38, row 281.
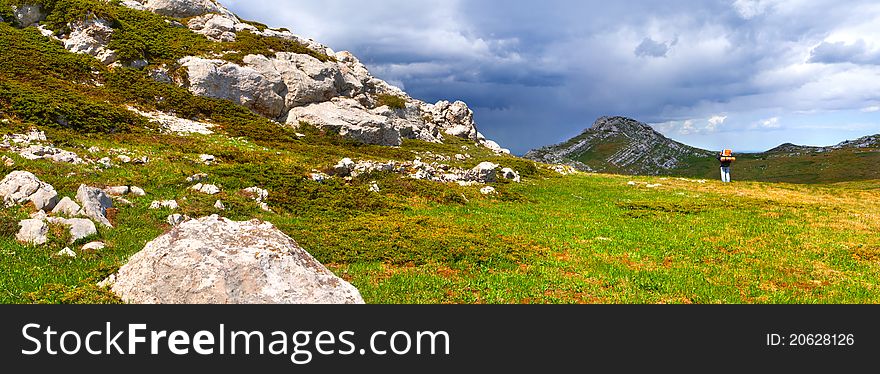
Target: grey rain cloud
column 841, row 52
column 536, row 73
column 651, row 48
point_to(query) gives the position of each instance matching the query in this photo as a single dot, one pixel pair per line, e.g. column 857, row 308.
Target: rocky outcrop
column 178, row 8
column 276, row 86
column 20, row 187
column 348, row 118
column 28, row 15
column 214, row 260
column 215, row 27
column 243, row 85
column 91, row 36
column 174, row 124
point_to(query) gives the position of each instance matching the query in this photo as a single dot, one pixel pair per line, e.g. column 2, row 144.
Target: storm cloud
column 747, row 74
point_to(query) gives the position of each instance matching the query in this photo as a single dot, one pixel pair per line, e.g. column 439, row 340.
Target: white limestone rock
column 95, row 203
column 350, row 119
column 19, row 187
column 90, row 36
column 33, row 231
column 214, row 260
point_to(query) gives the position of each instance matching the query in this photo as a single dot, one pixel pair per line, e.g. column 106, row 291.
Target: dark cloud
column 840, row 52
column 651, row 48
column 537, row 72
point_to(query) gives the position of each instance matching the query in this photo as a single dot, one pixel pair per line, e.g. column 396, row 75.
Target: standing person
column 726, row 158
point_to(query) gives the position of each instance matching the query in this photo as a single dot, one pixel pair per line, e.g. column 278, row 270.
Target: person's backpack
column 726, row 156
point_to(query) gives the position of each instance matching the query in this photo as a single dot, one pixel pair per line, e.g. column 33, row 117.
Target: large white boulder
column 19, row 187
column 350, row 119
column 214, row 260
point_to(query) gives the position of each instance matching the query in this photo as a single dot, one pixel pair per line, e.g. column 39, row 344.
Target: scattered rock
column 66, row 252
column 122, row 201
column 488, row 190
column 93, row 246
column 33, row 231
column 344, row 167
column 137, row 191
column 374, row 187
column 19, row 187
column 207, row 159
column 213, row 260
column 631, row 183
column 38, row 152
column 197, row 178
column 8, row 162
column 654, row 185
column 80, row 228
column 166, row 204
column 174, row 124
column 219, row 205
column 508, row 173
column 319, row 177
column 105, row 163
column 176, row 219
column 209, row 189
column 95, row 203
column 117, row 191
column 123, row 159
column 485, row 172
column 256, row 193
column 66, row 207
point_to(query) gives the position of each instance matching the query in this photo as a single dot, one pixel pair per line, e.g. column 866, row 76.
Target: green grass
column 578, row 239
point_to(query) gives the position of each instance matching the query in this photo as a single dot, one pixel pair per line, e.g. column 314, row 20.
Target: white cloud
column 871, row 109
column 770, row 123
column 749, row 9
column 714, row 122
column 697, row 126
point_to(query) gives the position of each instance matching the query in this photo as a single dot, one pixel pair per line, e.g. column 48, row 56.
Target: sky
column 746, row 75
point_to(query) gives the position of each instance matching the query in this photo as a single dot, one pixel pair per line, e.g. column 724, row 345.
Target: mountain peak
column 619, row 144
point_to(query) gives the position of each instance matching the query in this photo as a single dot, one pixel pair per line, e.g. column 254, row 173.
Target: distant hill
column 620, row 145
column 625, row 146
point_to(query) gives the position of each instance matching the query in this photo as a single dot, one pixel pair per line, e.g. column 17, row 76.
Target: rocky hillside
column 129, row 127
column 619, row 145
column 275, row 73
column 866, row 142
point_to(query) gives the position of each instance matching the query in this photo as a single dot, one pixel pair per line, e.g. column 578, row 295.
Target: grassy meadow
column 586, row 238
